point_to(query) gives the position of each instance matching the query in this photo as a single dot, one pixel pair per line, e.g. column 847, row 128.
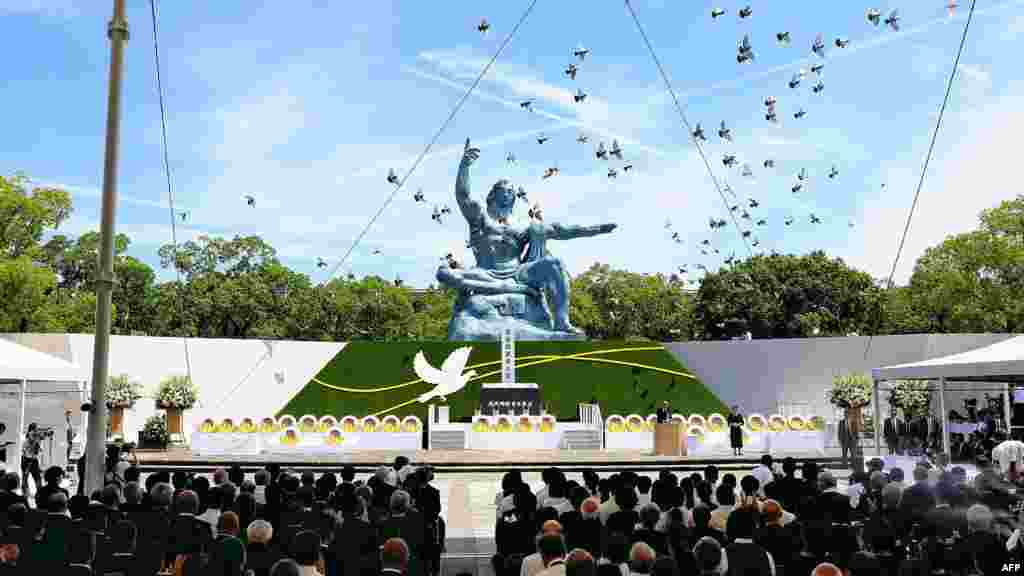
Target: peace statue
column 516, row 282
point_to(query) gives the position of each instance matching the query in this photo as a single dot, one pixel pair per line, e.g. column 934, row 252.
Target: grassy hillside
column 625, row 377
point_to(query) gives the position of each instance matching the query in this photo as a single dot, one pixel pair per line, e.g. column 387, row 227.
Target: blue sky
column 306, row 105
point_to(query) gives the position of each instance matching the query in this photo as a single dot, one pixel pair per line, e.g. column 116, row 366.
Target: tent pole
column 944, row 417
column 21, row 435
column 117, row 31
column 876, row 418
column 1007, row 410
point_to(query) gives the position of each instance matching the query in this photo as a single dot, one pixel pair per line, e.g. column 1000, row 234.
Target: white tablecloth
column 217, row 444
column 718, row 441
column 514, row 440
column 312, row 443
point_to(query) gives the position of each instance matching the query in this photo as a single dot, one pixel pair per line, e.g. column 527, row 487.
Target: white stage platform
column 715, row 442
column 217, row 444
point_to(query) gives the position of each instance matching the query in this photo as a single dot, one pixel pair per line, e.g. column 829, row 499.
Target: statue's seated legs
column 548, row 272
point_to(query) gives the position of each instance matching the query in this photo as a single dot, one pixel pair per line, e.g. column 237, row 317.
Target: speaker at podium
column 670, row 439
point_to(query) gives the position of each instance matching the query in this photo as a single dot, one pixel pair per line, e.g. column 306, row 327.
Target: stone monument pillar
column 508, row 355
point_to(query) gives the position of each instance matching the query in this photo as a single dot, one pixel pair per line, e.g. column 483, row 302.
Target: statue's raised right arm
column 471, row 208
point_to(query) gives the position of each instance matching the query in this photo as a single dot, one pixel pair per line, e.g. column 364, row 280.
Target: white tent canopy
column 20, row 363
column 999, row 362
column 23, row 369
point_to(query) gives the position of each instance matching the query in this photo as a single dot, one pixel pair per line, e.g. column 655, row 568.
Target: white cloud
column 58, row 8
column 975, row 175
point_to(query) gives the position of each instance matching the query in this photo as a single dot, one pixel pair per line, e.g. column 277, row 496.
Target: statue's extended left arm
column 555, row 231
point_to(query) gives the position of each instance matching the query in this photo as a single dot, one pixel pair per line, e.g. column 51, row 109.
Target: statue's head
column 501, row 200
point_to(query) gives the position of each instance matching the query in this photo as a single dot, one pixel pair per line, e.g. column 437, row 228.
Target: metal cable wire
column 924, row 172
column 444, row 126
column 167, row 171
column 686, row 123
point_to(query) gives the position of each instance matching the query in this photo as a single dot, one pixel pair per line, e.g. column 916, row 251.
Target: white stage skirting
column 714, row 442
column 312, row 443
column 514, row 440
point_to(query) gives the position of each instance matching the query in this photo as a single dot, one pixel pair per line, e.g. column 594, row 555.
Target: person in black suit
column 664, row 413
column 355, row 546
column 846, row 440
column 736, row 421
column 890, row 432
column 918, row 498
column 832, row 503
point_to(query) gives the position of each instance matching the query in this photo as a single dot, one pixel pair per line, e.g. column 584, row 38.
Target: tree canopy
column 238, row 288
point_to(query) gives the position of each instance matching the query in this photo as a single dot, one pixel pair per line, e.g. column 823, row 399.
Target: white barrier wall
column 236, row 378
column 800, row 370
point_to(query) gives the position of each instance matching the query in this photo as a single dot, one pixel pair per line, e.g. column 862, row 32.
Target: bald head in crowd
column 394, row 555
column 826, row 569
column 641, row 558
column 551, row 527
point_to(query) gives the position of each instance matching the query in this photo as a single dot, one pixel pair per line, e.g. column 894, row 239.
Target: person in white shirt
column 643, row 491
column 763, row 473
column 262, row 476
column 534, row 563
column 549, row 476
column 641, row 559
column 607, row 508
column 557, row 498
column 552, row 551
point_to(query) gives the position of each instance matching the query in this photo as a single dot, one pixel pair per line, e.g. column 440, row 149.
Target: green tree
column 786, row 296
column 26, row 214
column 619, row 305
column 25, row 289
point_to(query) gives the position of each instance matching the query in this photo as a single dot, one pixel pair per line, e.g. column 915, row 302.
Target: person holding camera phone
column 30, row 455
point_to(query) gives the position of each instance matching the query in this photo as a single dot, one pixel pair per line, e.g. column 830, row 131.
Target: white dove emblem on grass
column 449, row 379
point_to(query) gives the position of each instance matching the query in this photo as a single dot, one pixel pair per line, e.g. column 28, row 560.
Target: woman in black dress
column 735, row 421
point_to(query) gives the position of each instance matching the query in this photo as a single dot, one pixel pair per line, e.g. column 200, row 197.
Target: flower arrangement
column 797, row 423
column 652, row 421
column 308, row 424
column 757, row 423
column 328, row 422
column 697, row 420
column 371, row 424
column 504, row 424
column 349, row 424
column 290, row 437
column 177, row 392
column 697, row 432
column 817, row 423
column 678, row 419
column 154, row 431
column 615, row 424
column 247, row 426
column 122, row 392
column 635, row 423
column 227, row 425
column 547, row 423
column 850, row 391
column 776, row 423
column 481, row 425
column 334, row 437
column 269, row 425
column 392, row 424
column 524, row 424
column 716, row 423
column 286, row 421
column 208, row 426
column 411, row 424
column 910, row 396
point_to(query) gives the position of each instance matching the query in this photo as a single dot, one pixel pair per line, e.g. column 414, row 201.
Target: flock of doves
column 744, row 54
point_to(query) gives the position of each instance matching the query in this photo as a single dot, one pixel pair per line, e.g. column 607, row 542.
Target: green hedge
column 564, row 383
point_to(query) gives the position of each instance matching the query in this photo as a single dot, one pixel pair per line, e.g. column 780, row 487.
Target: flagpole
column 117, row 31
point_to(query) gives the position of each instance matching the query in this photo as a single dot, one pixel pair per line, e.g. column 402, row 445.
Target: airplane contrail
column 854, row 48
column 483, row 95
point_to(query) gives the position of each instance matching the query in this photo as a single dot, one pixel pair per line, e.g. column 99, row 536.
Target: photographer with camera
column 30, row 455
